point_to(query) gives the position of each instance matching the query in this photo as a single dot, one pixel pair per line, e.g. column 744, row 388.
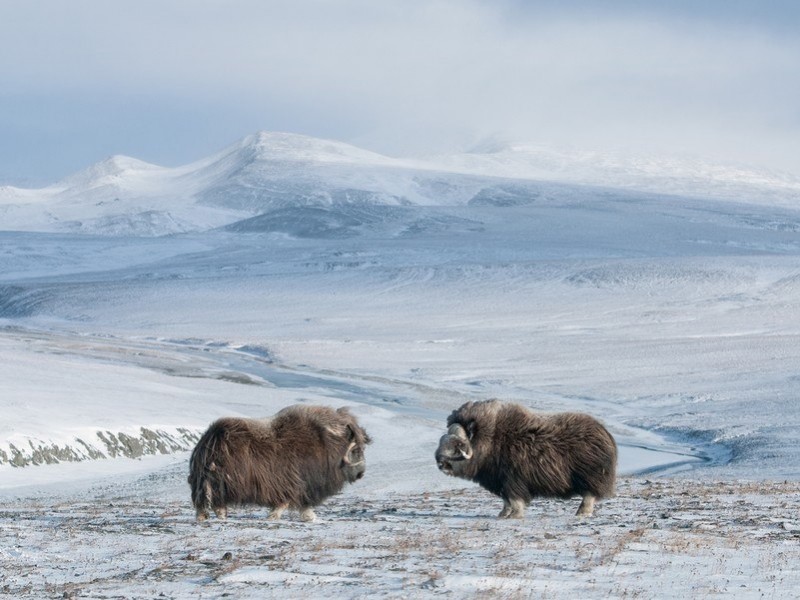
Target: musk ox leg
column 512, row 509
column 221, row 512
column 307, row 514
column 276, row 512
column 204, row 503
column 201, row 514
column 586, row 509
column 517, row 509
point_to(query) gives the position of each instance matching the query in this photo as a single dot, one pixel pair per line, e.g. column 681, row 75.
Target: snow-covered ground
column 135, row 537
column 672, row 318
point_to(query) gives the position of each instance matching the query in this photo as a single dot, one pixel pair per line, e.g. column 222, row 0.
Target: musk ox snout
column 453, row 451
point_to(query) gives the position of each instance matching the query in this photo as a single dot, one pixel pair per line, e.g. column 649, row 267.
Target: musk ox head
column 345, row 439
column 353, row 463
column 468, row 439
column 454, row 451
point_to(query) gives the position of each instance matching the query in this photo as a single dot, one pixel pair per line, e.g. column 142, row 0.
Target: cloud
column 408, row 75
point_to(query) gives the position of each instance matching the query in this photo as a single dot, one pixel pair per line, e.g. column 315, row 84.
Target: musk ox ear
column 472, row 426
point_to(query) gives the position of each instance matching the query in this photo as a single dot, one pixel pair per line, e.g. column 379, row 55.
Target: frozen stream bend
column 427, row 404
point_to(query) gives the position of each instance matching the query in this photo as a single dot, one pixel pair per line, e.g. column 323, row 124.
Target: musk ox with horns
column 520, row 455
column 295, row 459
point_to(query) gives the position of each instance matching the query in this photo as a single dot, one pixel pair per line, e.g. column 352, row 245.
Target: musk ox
column 295, row 459
column 520, row 455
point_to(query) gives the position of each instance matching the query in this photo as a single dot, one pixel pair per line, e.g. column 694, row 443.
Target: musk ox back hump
column 592, row 450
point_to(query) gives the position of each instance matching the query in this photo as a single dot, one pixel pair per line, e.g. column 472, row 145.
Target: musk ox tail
column 205, row 475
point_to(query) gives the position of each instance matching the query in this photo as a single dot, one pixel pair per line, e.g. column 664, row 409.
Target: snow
column 672, row 318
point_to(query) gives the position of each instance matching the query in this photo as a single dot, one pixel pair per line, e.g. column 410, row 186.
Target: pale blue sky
column 172, row 81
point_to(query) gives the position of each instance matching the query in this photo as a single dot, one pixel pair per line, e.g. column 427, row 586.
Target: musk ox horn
column 349, row 456
column 457, row 430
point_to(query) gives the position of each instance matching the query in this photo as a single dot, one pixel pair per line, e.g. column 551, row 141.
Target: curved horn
column 457, row 430
column 347, row 460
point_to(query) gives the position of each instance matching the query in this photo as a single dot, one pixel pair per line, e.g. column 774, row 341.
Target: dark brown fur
column 296, row 459
column 519, row 455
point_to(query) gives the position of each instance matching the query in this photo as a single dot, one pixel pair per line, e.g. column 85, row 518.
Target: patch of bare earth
column 660, row 538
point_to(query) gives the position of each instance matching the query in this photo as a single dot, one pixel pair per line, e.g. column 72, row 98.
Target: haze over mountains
column 308, row 187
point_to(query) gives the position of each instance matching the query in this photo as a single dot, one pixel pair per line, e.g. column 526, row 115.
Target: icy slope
column 613, row 169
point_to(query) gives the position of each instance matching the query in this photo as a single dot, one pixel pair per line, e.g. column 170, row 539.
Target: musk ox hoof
column 277, row 512
column 512, row 515
column 307, row 515
column 201, row 516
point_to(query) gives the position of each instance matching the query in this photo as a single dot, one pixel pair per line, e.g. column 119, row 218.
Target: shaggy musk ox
column 295, row 459
column 520, row 455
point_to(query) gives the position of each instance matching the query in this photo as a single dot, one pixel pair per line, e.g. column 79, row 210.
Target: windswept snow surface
column 673, row 318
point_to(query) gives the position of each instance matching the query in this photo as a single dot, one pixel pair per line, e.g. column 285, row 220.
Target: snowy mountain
column 277, row 182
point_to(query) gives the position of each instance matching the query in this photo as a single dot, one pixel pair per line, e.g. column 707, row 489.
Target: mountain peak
column 106, row 171
column 278, row 146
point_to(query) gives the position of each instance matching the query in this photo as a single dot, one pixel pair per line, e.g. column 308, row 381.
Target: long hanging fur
column 296, row 459
column 519, row 455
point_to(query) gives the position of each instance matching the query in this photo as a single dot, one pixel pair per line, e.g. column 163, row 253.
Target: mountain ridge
column 270, row 171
